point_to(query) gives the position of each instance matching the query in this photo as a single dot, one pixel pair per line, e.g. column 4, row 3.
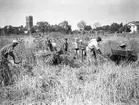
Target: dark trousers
column 91, row 54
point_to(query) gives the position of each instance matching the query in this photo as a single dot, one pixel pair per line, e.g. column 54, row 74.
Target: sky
column 13, row 12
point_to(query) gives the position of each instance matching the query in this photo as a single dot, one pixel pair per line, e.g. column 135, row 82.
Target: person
column 50, row 46
column 54, row 46
column 5, row 52
column 8, row 50
column 46, row 44
column 92, row 49
column 82, row 48
column 65, row 46
column 76, row 47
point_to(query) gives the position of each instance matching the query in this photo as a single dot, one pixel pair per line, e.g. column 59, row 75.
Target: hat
column 123, row 45
column 99, row 39
column 80, row 40
column 15, row 41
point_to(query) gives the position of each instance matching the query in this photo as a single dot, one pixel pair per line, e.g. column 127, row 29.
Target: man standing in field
column 65, row 46
column 92, row 49
column 76, row 47
column 82, row 48
column 50, row 46
column 5, row 73
column 54, row 46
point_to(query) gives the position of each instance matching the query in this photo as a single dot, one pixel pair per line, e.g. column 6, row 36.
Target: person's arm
column 67, row 45
column 99, row 51
column 98, row 48
column 12, row 55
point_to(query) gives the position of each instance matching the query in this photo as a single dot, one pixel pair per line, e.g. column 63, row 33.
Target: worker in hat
column 6, row 51
column 92, row 49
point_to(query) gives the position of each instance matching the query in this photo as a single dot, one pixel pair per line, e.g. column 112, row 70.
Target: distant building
column 29, row 22
column 134, row 26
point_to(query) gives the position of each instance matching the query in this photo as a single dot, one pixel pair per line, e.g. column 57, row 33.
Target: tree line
column 8, row 30
column 65, row 27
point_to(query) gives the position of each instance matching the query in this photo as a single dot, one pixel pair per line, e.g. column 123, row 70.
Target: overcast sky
column 13, row 12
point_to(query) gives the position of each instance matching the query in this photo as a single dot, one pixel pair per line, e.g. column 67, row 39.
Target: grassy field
column 42, row 84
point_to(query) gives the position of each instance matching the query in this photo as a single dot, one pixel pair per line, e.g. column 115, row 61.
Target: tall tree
column 106, row 28
column 88, row 28
column 55, row 28
column 65, row 26
column 96, row 25
column 33, row 29
column 81, row 25
column 43, row 26
column 115, row 27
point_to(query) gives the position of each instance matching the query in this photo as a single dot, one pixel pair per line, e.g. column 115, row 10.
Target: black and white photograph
column 69, row 52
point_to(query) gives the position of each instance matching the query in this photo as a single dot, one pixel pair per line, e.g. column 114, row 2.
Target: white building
column 134, row 26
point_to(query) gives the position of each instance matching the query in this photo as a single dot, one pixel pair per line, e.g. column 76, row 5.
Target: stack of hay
column 58, row 57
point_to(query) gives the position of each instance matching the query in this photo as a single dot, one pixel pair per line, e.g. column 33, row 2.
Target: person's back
column 93, row 44
column 54, row 46
column 76, row 44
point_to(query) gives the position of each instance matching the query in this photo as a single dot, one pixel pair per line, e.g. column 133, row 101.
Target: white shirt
column 93, row 44
column 53, row 44
column 76, row 45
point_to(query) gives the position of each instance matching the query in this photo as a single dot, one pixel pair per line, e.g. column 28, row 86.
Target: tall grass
column 104, row 85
